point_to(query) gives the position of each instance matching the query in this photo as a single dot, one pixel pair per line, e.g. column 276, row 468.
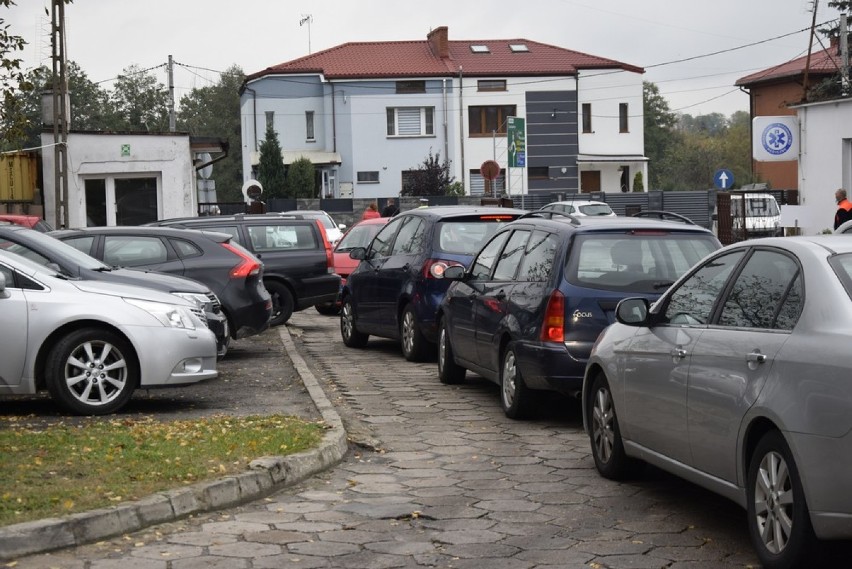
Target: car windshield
column 595, row 209
column 59, row 248
column 637, row 262
column 467, row 236
column 358, row 236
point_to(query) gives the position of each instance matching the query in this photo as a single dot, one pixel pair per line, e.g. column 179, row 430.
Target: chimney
column 438, row 42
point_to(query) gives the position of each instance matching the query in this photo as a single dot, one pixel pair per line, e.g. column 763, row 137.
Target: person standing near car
column 390, row 208
column 371, row 211
column 844, row 208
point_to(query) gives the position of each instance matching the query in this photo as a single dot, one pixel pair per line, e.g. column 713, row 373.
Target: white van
column 762, row 215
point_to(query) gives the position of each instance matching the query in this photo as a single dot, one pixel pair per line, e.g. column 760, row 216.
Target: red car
column 31, row 221
column 359, row 235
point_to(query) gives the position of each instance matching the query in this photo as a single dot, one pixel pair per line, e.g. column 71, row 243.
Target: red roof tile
column 823, row 62
column 416, row 59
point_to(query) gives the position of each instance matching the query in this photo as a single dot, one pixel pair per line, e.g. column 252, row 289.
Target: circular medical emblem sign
column 776, row 138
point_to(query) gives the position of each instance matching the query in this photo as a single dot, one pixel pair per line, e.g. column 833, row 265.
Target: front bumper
column 169, row 357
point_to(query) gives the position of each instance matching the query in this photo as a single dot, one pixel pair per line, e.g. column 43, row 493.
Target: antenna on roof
column 307, row 19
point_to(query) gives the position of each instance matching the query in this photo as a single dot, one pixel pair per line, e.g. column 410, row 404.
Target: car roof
column 143, row 230
column 446, row 211
column 845, row 227
column 825, row 244
column 599, row 223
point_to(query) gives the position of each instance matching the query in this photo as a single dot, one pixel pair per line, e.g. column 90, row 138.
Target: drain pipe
column 461, row 130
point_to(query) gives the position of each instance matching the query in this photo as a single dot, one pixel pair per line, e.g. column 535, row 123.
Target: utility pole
column 171, row 95
column 60, row 113
column 307, row 19
column 844, row 56
column 808, row 59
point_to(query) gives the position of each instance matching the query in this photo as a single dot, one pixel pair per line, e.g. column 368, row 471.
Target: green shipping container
column 18, row 177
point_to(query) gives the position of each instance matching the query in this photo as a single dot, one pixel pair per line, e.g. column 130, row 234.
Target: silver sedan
column 738, row 379
column 90, row 343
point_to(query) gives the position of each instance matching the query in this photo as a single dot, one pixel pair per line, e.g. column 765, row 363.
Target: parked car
column 70, row 262
column 92, row 343
column 396, row 289
column 298, row 264
column 580, row 208
column 31, row 221
column 737, row 379
column 528, row 310
column 333, row 230
column 359, row 235
column 231, row 272
column 845, row 227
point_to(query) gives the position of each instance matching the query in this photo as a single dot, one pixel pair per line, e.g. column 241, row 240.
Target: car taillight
column 329, row 250
column 553, row 325
column 434, row 268
column 248, row 266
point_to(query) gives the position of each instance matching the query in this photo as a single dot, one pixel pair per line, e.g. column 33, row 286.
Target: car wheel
column 778, row 518
column 411, row 339
column 515, row 396
column 91, row 372
column 350, row 334
column 604, row 434
column 449, row 371
column 282, row 303
column 328, row 309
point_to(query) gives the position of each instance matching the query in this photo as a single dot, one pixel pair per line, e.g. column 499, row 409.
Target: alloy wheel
column 773, row 502
column 603, row 435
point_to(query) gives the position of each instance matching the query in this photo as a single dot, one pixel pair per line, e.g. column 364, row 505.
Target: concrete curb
column 265, row 475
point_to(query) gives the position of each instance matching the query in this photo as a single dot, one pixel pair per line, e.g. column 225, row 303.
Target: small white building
column 125, row 178
column 825, row 160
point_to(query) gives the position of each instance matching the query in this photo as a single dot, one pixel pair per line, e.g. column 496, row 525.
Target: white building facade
column 369, row 115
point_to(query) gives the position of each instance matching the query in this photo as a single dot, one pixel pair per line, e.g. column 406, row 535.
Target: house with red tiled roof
column 367, row 114
column 774, row 91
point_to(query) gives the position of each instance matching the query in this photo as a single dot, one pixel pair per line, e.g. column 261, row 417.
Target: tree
column 659, row 123
column 431, row 178
column 301, row 179
column 140, row 102
column 270, row 170
column 215, row 111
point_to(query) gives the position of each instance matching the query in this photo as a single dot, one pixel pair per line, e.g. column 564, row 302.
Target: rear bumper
column 550, row 366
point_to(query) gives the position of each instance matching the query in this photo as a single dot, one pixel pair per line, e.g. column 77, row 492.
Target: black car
column 231, row 272
column 298, row 266
column 396, row 289
column 44, row 250
column 528, row 310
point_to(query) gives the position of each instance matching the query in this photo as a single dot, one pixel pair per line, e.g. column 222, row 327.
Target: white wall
column 825, row 159
column 166, row 157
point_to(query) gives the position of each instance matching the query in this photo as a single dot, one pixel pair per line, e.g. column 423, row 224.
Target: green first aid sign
column 516, row 132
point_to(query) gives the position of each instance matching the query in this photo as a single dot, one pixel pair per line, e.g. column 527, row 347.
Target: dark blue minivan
column 397, row 287
column 528, row 310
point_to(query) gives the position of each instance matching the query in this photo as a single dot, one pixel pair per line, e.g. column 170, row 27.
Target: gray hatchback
column 737, row 379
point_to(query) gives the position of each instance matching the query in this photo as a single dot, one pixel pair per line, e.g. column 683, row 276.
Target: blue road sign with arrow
column 723, row 179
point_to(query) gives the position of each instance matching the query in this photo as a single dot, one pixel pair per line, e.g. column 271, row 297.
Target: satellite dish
column 252, row 189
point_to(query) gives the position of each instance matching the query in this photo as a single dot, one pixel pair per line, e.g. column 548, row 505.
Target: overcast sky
column 206, row 36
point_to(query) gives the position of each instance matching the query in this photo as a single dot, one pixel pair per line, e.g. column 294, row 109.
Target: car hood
column 159, row 281
column 129, row 291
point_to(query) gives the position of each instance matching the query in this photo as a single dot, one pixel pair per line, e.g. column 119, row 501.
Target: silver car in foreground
column 90, row 343
column 739, row 379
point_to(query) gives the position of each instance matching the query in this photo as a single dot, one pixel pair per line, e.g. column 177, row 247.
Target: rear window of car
column 274, row 237
column 467, row 236
column 595, row 209
column 642, row 263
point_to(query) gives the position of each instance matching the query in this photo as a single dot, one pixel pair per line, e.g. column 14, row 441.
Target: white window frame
column 404, row 119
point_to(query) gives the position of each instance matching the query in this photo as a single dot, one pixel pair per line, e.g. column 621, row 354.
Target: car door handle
column 406, row 266
column 756, row 357
column 500, row 295
column 678, row 353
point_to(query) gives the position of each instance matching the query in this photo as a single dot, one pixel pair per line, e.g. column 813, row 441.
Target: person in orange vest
column 844, row 208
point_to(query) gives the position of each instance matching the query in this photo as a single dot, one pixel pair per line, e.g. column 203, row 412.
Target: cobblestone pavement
column 438, row 477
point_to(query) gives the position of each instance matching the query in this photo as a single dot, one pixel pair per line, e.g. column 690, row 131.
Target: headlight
column 169, row 315
column 201, row 300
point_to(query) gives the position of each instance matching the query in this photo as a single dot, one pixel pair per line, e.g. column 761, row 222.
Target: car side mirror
column 454, row 273
column 633, row 312
column 358, row 253
column 341, row 226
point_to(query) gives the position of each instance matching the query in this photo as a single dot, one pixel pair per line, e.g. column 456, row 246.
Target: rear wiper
column 662, row 284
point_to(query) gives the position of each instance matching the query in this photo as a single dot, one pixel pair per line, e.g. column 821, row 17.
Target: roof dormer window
column 479, row 48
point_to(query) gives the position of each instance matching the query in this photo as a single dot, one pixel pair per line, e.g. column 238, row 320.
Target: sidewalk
column 265, row 476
